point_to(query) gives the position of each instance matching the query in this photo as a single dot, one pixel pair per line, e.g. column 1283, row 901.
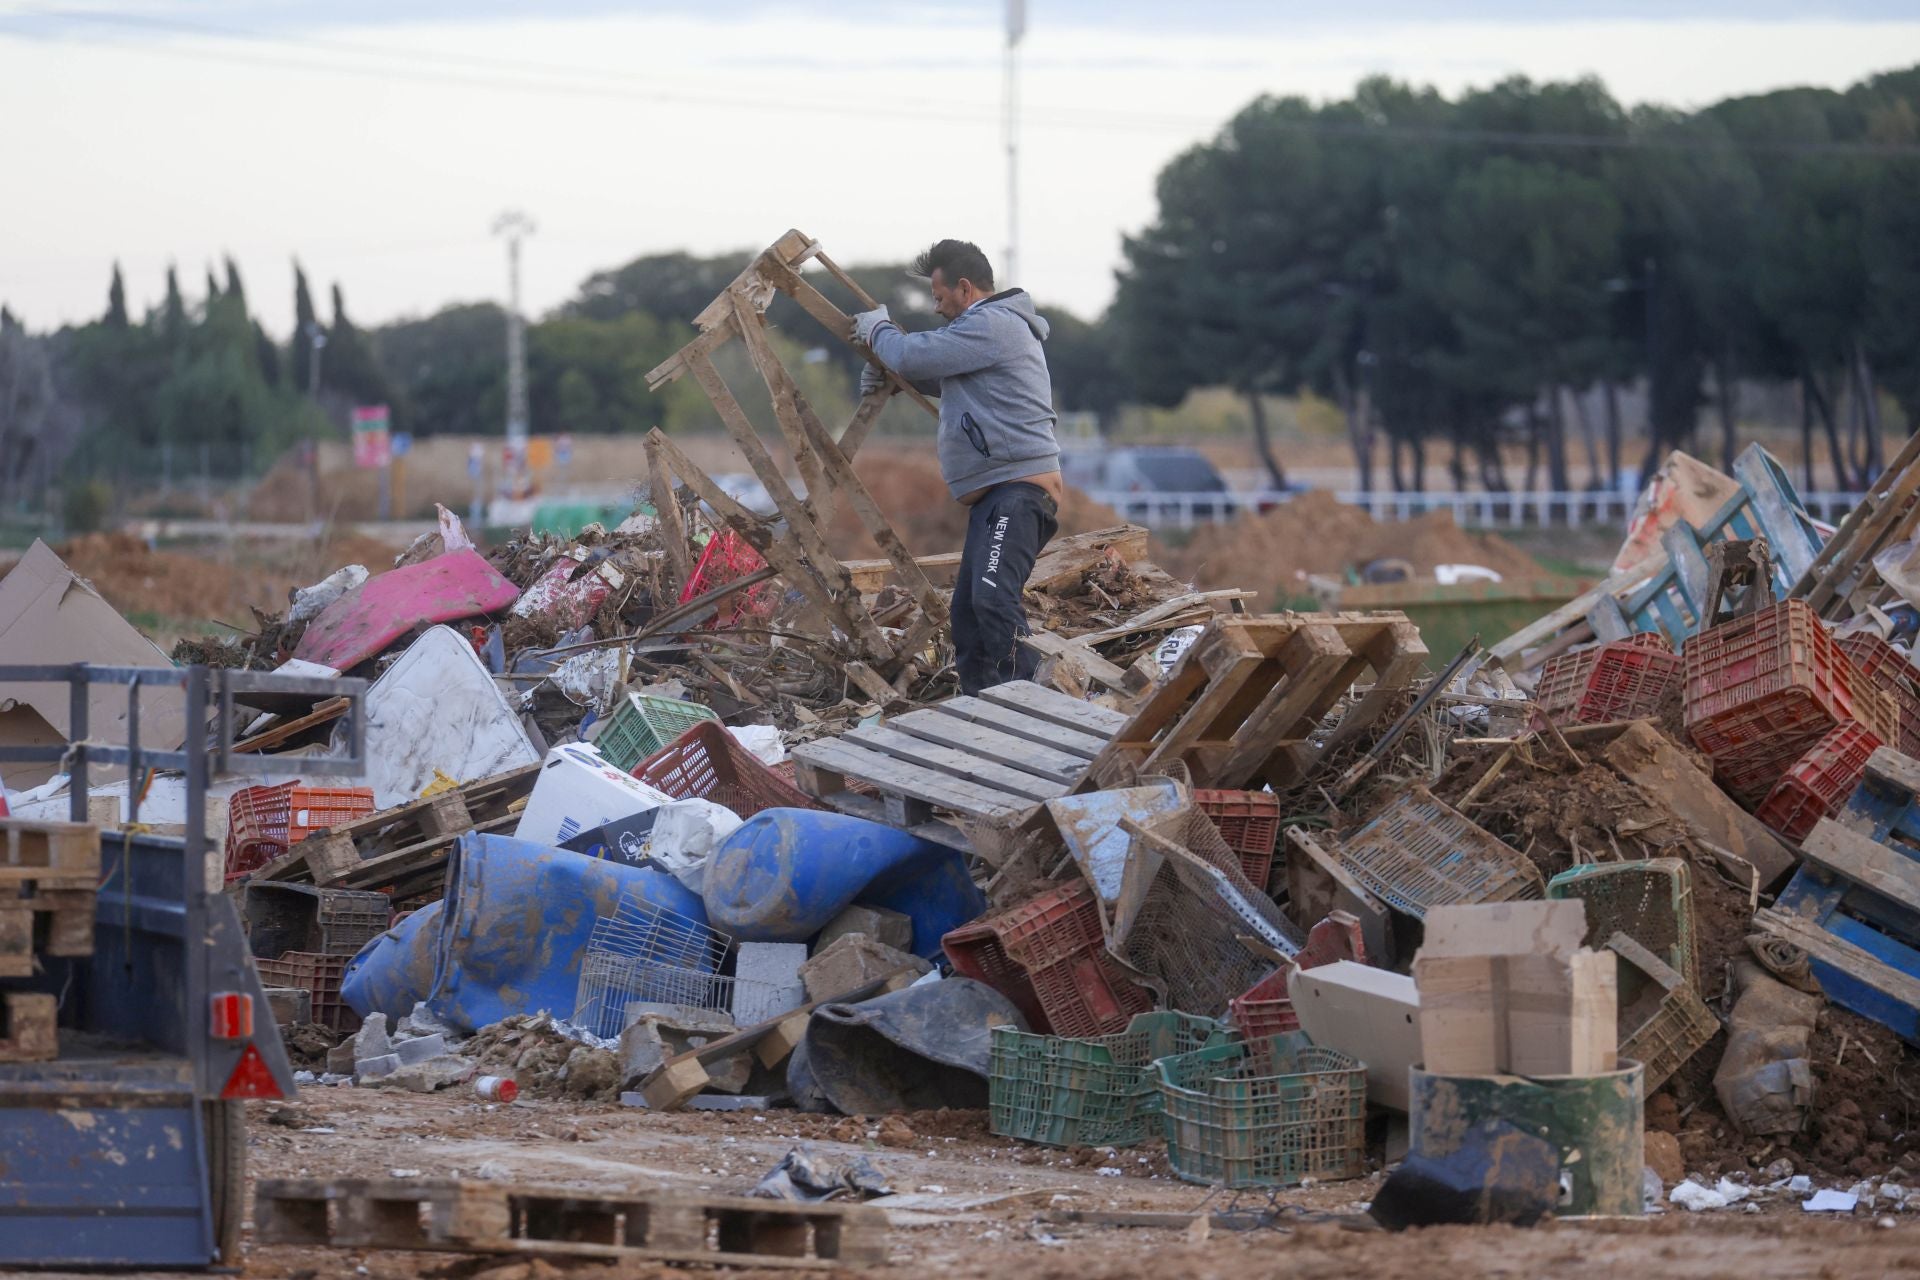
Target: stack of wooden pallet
column 990, row 757
column 403, row 851
column 1239, row 708
column 49, row 873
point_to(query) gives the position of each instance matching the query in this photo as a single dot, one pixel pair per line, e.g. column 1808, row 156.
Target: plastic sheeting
column 507, row 939
column 787, row 872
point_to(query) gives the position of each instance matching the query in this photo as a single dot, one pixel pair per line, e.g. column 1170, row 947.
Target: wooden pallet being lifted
column 404, row 849
column 453, row 1216
column 1238, row 708
column 1002, row 753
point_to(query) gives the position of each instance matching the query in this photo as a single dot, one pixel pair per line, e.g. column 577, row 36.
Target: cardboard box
column 1371, row 1014
column 577, row 791
column 1506, row 988
column 51, row 616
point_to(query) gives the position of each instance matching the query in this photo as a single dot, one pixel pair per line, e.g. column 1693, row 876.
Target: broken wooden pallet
column 49, row 873
column 405, row 845
column 1239, row 707
column 449, row 1215
column 28, row 1031
column 994, row 756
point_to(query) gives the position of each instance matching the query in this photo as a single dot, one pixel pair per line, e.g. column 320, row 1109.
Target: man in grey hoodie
column 996, row 446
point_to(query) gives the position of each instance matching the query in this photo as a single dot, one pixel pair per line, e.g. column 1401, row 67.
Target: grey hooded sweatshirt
column 996, row 400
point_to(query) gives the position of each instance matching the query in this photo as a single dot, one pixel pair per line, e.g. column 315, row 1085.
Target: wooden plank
column 1894, row 771
column 1865, row 862
column 788, row 403
column 1066, row 559
column 371, row 872
column 1046, row 704
column 1575, row 610
column 855, row 805
column 1233, row 664
column 1019, row 725
column 838, row 323
column 1084, row 662
column 1320, row 668
column 1842, row 955
column 747, row 1039
column 673, row 530
column 328, row 711
column 1166, row 614
column 952, row 760
column 910, row 780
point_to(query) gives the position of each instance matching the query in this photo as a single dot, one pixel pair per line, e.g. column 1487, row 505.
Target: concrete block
column 290, row 1006
column 371, row 1040
column 854, row 960
column 650, row 1041
column 685, row 1016
column 878, row 923
column 373, row 1068
column 767, row 980
column 420, row 1049
column 340, row 1059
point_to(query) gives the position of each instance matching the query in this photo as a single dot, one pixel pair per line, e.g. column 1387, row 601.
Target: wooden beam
column 1875, row 866
column 789, row 406
column 673, row 530
column 332, row 709
column 840, row 324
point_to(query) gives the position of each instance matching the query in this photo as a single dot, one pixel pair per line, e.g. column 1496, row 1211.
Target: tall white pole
column 1016, row 28
column 514, row 227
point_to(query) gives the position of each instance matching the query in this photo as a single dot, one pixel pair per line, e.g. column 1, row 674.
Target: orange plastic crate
column 263, row 822
column 1249, row 821
column 1620, row 680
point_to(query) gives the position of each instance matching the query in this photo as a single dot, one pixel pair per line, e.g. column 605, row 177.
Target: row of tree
column 1461, row 273
column 1454, row 270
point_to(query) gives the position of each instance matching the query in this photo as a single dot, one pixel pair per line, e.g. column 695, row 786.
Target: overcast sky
column 378, row 139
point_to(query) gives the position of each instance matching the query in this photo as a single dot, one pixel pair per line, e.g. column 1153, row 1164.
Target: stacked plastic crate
column 1764, row 689
column 1048, row 955
column 1894, row 674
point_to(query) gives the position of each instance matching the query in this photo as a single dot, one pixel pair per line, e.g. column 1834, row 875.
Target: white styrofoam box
column 767, row 980
column 577, row 790
column 437, row 707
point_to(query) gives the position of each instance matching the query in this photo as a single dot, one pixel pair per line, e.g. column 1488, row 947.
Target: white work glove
column 872, row 378
column 867, row 321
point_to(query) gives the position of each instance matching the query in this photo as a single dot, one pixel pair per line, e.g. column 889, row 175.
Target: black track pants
column 1005, row 531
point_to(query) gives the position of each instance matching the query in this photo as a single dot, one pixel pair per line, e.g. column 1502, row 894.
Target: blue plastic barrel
column 787, row 872
column 508, row 937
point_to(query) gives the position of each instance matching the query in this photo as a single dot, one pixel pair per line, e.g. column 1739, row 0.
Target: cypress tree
column 300, row 354
column 116, row 301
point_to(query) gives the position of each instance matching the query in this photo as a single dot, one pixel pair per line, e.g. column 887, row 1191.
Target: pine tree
column 233, row 282
column 116, row 317
column 213, row 288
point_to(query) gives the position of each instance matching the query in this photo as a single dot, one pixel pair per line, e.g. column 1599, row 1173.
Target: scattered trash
column 804, row 1176
column 1827, row 1200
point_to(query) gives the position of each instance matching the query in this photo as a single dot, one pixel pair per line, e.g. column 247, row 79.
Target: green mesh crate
column 1095, row 1091
column 1650, row 901
column 1263, row 1113
column 644, row 723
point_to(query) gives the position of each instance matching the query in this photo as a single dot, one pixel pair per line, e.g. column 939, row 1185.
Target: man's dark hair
column 956, row 260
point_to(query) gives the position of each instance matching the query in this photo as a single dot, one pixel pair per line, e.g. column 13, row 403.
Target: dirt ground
column 372, row 1133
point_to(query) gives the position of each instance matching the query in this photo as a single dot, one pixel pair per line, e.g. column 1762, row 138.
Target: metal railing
column 1469, row 508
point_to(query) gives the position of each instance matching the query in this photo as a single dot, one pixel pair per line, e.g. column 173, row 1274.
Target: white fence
column 1471, row 508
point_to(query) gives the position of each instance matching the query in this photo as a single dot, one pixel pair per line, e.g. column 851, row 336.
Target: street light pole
column 514, row 227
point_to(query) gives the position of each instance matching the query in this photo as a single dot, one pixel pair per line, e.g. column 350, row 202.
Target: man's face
column 951, row 299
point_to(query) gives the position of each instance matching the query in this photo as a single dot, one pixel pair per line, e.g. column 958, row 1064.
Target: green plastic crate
column 1651, row 901
column 644, row 723
column 1096, row 1091
column 1263, row 1113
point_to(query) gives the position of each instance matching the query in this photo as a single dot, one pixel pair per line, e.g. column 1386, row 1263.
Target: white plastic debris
column 1694, row 1198
column 1827, row 1200
column 309, row 601
column 762, row 740
column 1800, row 1183
column 590, row 679
column 453, row 534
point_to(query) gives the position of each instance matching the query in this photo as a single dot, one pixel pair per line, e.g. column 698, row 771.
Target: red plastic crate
column 1619, row 680
column 1894, row 674
column 263, row 822
column 1249, row 821
column 1054, row 925
column 975, row 952
column 708, row 763
column 1819, row 781
column 1088, row 995
column 317, row 973
column 1265, row 1009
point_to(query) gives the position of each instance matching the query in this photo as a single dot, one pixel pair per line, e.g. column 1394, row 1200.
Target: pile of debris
column 682, row 812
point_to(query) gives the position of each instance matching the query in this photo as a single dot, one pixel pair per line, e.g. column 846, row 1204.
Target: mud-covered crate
column 1418, row 853
column 1088, row 995
column 264, row 822
column 1894, row 674
column 708, row 763
column 1092, row 1091
column 975, row 952
column 1249, row 821
column 1663, row 1044
column 1819, row 782
column 1047, row 954
column 317, row 973
column 1266, row 1009
column 643, row 724
column 301, row 917
column 1620, row 680
column 1650, row 900
column 1265, row 1113
column 1768, row 685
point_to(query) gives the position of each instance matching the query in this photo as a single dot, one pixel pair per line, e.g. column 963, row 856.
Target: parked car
column 1145, row 470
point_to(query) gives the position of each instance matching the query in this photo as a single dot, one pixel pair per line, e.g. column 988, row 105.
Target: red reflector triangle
column 252, row 1077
